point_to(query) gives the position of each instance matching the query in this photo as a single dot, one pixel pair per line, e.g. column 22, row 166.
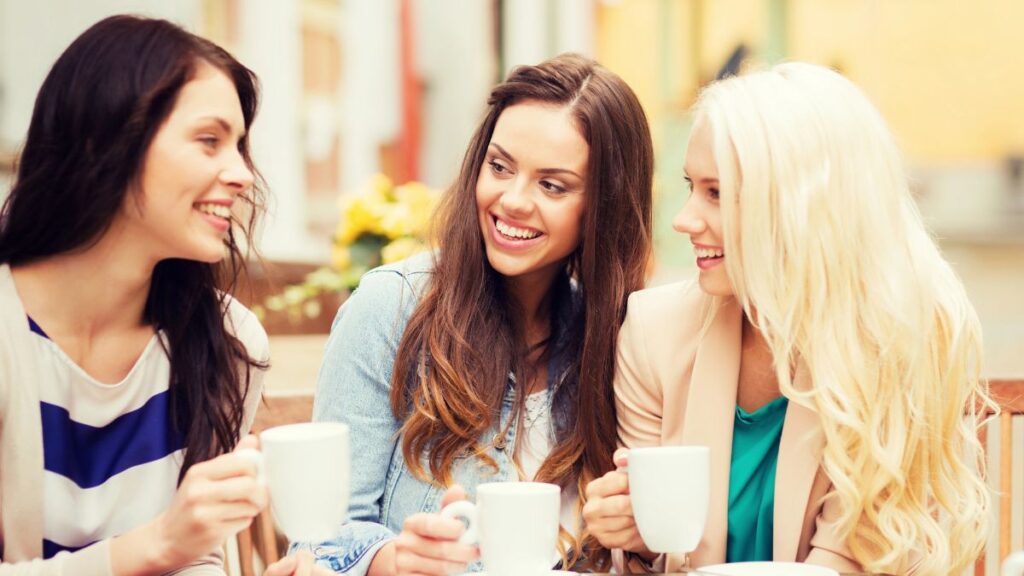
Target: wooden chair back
column 1009, row 394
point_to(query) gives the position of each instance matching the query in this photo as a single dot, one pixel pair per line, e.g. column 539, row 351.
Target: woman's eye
column 209, row 141
column 713, row 193
column 498, row 167
column 552, row 187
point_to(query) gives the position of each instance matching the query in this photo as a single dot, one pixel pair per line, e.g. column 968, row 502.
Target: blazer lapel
column 800, row 450
column 710, row 410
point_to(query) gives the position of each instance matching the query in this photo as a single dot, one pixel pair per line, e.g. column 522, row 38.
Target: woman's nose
column 687, row 220
column 516, row 199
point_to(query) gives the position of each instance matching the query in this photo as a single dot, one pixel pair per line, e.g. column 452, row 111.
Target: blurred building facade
column 356, row 87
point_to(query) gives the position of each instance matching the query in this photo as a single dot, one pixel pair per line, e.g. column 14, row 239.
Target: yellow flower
column 375, row 208
column 380, row 184
column 379, row 212
column 401, row 249
column 363, row 211
column 348, row 230
column 386, row 210
column 398, row 221
column 420, row 201
column 359, row 215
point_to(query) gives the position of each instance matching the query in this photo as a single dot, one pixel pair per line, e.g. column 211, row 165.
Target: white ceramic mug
column 306, row 469
column 669, row 490
column 515, row 524
column 1014, row 565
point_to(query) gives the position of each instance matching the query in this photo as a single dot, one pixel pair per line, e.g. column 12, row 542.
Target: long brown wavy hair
column 95, row 117
column 463, row 339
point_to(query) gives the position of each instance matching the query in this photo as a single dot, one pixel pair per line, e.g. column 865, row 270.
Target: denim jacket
column 354, row 387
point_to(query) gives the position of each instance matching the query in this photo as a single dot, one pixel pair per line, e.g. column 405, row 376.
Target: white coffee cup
column 669, row 490
column 1014, row 565
column 515, row 524
column 306, row 469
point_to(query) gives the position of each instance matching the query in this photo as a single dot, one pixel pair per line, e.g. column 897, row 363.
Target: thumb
column 283, row 567
column 621, row 458
column 304, row 563
column 453, row 494
column 250, row 441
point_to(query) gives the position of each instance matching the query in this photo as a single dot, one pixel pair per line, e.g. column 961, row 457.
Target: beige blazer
column 675, row 384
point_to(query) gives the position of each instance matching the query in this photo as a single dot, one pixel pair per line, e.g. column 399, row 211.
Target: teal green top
column 755, row 456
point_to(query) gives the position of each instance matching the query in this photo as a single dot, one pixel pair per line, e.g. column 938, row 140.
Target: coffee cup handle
column 465, row 510
column 256, row 457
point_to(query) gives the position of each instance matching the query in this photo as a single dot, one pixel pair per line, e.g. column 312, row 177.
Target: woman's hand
column 608, row 512
column 428, row 545
column 298, row 564
column 216, row 500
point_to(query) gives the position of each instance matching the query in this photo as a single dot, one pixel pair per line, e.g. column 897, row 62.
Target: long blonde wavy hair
column 826, row 244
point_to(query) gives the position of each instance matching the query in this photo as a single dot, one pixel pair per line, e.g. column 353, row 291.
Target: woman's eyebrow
column 505, row 153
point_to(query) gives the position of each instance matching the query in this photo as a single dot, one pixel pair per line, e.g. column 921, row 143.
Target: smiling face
column 530, row 192
column 191, row 174
column 701, row 216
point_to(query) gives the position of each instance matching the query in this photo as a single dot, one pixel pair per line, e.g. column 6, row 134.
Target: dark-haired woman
column 127, row 376
column 492, row 359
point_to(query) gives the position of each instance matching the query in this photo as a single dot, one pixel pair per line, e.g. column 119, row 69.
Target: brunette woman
column 127, row 373
column 492, row 358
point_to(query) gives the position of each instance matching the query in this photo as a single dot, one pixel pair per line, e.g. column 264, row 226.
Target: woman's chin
column 713, row 284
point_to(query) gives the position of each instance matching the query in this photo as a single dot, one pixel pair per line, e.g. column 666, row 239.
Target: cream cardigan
column 21, row 454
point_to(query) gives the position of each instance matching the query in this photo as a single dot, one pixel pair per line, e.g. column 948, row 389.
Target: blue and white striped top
column 111, row 454
column 84, row 461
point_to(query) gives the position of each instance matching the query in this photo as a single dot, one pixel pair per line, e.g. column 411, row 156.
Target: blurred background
column 358, row 88
column 354, row 88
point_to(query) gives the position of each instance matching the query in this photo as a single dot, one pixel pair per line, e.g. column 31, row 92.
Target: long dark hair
column 94, row 118
column 464, row 327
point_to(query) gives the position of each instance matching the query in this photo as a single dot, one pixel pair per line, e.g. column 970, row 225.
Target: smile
column 708, row 257
column 515, row 233
column 214, row 209
column 509, row 238
column 216, row 214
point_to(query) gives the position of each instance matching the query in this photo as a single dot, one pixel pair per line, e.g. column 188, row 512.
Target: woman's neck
column 532, row 295
column 758, row 383
column 99, row 289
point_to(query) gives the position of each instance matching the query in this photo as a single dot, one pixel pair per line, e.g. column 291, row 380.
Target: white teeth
column 513, row 232
column 708, row 253
column 218, row 210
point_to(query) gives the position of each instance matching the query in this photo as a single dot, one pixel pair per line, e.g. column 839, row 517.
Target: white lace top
column 536, row 443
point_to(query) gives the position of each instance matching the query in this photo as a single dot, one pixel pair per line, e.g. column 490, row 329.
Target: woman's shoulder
column 411, row 274
column 387, row 293
column 667, row 317
column 13, row 320
column 245, row 326
column 8, row 295
column 674, row 300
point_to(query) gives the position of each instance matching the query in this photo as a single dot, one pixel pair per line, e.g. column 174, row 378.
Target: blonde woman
column 827, row 353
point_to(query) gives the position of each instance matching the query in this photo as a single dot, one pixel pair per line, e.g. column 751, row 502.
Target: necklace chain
column 531, row 416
